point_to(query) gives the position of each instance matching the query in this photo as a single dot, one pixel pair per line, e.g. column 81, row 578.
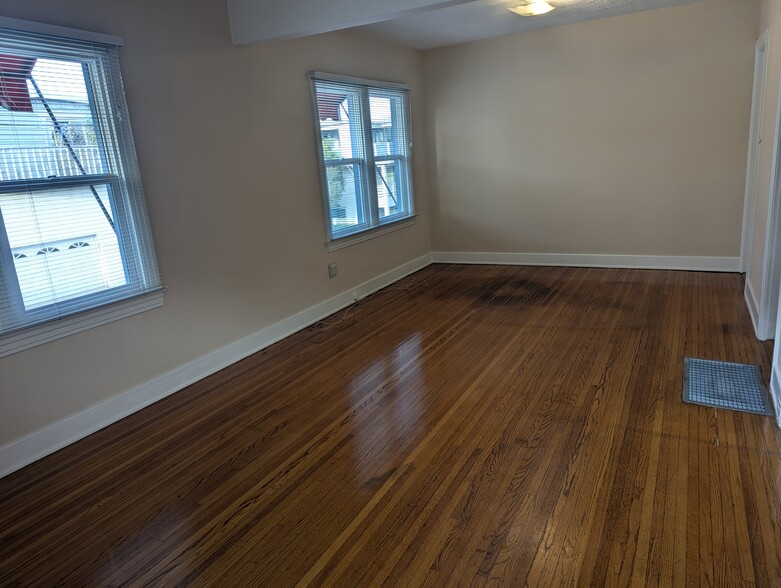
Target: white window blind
column 74, row 234
column 363, row 146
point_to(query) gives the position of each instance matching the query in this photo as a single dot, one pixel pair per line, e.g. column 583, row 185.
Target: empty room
column 403, row 293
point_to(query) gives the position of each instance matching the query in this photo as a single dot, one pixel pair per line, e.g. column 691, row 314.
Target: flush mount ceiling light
column 533, row 8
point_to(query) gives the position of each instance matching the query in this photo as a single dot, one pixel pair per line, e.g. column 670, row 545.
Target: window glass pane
column 387, row 120
column 62, row 243
column 47, row 125
column 341, row 132
column 389, row 198
column 345, row 201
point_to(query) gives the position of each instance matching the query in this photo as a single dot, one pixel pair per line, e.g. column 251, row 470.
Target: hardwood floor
column 470, row 425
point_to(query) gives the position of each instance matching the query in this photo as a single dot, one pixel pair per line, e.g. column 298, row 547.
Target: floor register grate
column 734, row 386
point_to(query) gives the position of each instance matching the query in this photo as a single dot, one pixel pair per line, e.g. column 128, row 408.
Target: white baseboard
column 775, row 392
column 33, row 447
column 662, row 262
column 753, row 307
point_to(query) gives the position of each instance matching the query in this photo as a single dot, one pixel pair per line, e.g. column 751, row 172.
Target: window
column 74, row 235
column 364, row 148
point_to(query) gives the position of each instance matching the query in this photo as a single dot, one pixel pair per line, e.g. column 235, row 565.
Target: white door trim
column 771, row 271
column 754, row 142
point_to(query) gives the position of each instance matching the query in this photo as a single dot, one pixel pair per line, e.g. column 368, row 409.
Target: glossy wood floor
column 470, row 425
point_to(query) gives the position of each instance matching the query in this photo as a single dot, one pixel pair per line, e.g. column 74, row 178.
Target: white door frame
column 771, row 271
column 754, row 143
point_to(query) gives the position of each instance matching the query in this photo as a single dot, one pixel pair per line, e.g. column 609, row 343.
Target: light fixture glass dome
column 533, row 8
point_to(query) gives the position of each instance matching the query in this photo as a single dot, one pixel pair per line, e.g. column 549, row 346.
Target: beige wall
column 625, row 135
column 226, row 148
column 770, row 21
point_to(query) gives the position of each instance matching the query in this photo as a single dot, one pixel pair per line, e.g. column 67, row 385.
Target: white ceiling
column 483, row 19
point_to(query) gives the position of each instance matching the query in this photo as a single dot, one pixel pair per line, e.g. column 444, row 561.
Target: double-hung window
column 363, row 145
column 74, row 234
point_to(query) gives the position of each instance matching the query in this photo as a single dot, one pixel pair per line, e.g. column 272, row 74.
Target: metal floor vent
column 735, row 386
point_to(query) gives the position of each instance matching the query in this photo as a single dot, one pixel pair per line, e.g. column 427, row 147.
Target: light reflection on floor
column 395, row 418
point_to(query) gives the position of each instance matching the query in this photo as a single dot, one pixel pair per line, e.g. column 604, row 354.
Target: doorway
column 754, row 146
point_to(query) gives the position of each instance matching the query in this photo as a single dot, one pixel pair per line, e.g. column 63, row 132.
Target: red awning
column 14, row 71
column 328, row 105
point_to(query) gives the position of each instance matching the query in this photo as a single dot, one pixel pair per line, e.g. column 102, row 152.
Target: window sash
column 52, row 311
column 39, row 184
column 403, row 198
column 361, row 196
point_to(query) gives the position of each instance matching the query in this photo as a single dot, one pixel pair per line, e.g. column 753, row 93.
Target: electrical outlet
column 332, row 270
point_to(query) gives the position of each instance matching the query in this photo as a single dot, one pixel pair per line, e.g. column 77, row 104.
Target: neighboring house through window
column 364, row 153
column 74, row 236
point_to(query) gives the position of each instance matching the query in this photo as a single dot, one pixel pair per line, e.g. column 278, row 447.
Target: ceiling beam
column 262, row 20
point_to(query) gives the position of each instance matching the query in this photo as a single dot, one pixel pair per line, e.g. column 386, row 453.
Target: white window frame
column 28, row 328
column 373, row 225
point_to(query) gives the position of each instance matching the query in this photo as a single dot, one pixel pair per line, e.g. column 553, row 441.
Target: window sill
column 343, row 242
column 70, row 325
